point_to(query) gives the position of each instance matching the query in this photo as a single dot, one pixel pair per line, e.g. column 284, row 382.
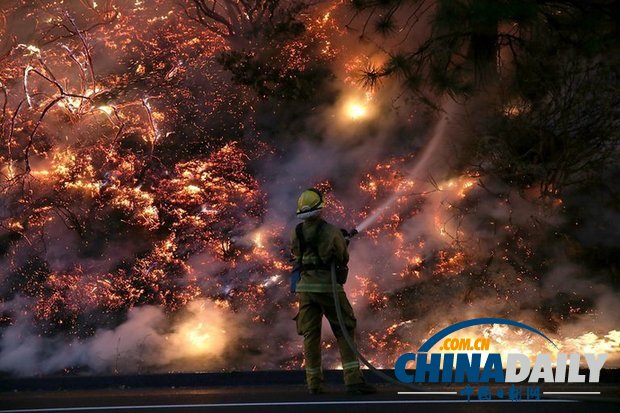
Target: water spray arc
column 421, row 165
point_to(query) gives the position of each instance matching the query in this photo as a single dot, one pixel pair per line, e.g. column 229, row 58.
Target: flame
column 594, row 343
column 199, row 338
column 108, row 110
column 356, row 110
column 32, row 49
column 203, row 333
column 258, row 240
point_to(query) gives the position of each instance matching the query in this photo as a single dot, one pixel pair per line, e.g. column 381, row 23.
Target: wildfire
column 129, row 188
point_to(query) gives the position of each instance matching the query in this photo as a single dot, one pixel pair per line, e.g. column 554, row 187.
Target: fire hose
column 347, row 337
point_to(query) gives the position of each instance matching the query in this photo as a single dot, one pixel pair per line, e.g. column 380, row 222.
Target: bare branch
column 86, row 49
column 205, row 12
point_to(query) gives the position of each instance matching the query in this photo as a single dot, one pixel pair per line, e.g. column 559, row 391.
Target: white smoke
column 196, row 339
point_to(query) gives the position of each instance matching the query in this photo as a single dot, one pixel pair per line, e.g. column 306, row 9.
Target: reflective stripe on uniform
column 310, row 259
column 305, row 287
column 313, row 370
column 351, row 365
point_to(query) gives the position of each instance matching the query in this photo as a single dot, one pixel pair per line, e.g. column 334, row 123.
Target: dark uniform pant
column 312, row 308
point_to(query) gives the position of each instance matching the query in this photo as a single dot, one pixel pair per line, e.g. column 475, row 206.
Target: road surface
column 286, row 399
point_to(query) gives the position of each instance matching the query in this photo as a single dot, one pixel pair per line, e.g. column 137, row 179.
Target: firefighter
column 315, row 243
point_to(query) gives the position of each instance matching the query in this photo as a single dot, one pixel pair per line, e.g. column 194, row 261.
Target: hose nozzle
column 348, row 234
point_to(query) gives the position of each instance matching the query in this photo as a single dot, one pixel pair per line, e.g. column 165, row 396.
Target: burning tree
column 244, row 21
column 471, row 43
column 272, row 44
column 87, row 166
column 543, row 129
column 542, row 65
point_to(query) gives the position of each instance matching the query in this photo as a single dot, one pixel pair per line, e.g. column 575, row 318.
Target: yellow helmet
column 309, row 203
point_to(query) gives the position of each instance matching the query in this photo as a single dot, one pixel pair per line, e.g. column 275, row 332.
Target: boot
column 315, row 390
column 361, row 388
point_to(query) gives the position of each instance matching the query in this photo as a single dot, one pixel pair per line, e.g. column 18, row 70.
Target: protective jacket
column 330, row 245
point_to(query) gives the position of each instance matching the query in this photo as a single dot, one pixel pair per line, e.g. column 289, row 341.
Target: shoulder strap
column 302, row 241
column 315, row 241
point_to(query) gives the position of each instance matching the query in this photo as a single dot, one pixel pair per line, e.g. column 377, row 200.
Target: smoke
column 442, row 246
column 421, row 168
column 196, row 339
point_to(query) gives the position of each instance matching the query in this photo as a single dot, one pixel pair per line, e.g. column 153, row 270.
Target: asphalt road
column 293, row 398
